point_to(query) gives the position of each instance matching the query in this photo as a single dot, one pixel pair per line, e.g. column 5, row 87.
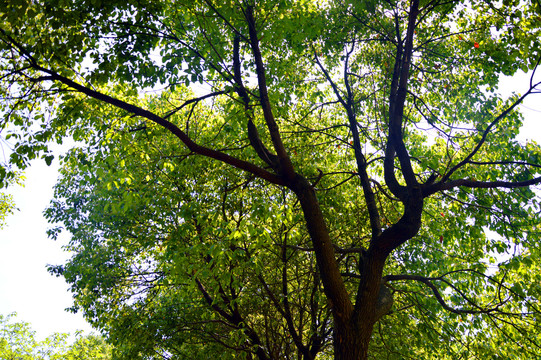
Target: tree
column 294, row 169
column 17, row 342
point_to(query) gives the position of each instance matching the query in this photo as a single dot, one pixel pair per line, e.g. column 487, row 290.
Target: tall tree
column 294, row 169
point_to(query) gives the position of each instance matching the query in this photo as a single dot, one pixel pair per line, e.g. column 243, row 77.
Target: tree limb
column 286, row 167
column 171, row 127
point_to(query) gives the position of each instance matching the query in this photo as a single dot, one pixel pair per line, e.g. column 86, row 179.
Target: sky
column 41, row 299
column 25, row 285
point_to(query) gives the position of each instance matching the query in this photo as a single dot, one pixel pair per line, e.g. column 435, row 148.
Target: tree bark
column 353, row 325
column 333, row 284
column 351, row 343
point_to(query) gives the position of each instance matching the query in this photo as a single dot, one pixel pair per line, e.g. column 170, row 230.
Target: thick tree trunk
column 353, row 325
column 331, row 278
column 352, row 338
column 351, row 343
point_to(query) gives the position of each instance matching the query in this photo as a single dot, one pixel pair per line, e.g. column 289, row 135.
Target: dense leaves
column 286, row 179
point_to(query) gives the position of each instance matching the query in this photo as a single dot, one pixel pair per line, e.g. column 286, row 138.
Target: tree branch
column 286, row 166
column 172, row 128
column 253, row 135
column 398, row 101
column 194, row 101
column 429, row 190
column 428, row 281
column 446, row 176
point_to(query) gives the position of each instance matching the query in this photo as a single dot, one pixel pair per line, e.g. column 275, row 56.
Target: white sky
column 39, row 298
column 25, row 285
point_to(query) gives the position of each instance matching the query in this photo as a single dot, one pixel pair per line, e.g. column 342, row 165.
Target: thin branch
column 171, row 127
column 484, row 137
column 431, row 189
column 428, row 282
column 194, row 100
column 505, row 162
column 285, row 162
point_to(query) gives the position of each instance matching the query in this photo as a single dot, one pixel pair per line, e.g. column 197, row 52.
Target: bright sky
column 25, row 285
column 39, row 298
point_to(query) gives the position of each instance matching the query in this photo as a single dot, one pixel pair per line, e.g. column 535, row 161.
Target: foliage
column 17, row 342
column 287, row 179
column 7, row 206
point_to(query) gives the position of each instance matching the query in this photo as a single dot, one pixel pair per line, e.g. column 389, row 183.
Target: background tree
column 295, row 168
column 18, row 342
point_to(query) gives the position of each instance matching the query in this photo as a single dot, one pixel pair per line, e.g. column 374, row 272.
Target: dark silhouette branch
column 236, row 320
column 175, row 130
column 481, row 142
column 397, row 104
column 194, row 101
column 470, row 183
column 286, row 167
column 428, row 281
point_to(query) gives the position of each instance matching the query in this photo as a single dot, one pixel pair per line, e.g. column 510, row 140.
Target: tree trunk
column 353, row 325
column 350, row 342
column 352, row 338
